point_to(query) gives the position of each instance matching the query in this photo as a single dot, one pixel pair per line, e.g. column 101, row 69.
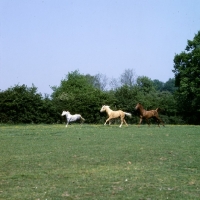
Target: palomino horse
column 114, row 114
column 72, row 118
column 144, row 114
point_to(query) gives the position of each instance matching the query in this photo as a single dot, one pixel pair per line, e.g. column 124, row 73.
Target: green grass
column 99, row 162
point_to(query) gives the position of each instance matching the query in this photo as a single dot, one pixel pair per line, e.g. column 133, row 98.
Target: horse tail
column 82, row 118
column 158, row 109
column 128, row 114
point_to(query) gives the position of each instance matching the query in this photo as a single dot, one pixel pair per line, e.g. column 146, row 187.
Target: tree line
column 178, row 98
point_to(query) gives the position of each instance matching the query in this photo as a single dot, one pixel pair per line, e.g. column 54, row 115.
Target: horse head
column 103, row 108
column 139, row 105
column 65, row 113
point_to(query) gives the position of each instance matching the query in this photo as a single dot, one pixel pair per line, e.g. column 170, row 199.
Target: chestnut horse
column 115, row 114
column 144, row 114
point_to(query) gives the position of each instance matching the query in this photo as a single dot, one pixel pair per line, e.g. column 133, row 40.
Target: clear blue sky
column 42, row 40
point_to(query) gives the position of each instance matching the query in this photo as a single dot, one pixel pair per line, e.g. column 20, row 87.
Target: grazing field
column 99, row 162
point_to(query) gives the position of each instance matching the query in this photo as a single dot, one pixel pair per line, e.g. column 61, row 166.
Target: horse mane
column 141, row 105
column 67, row 112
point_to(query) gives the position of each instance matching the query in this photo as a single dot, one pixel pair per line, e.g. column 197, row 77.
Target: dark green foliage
column 21, row 104
column 187, row 79
column 85, row 94
column 145, row 84
column 158, row 84
column 169, row 86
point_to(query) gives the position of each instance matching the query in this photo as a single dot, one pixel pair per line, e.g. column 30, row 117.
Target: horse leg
column 121, row 123
column 158, row 122
column 140, row 122
column 125, row 122
column 107, row 121
column 67, row 123
column 161, row 121
column 122, row 120
column 82, row 120
column 148, row 122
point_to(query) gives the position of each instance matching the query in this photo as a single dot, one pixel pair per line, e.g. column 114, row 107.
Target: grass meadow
column 43, row 162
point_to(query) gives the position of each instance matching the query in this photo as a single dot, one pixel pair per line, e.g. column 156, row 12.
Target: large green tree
column 78, row 93
column 145, row 84
column 187, row 79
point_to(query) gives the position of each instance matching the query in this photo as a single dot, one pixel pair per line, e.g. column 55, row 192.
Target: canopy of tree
column 187, row 79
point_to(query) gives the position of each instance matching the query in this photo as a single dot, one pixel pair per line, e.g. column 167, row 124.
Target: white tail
column 128, row 114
